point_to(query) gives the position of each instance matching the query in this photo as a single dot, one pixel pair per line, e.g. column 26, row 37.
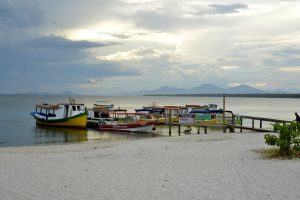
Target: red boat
column 130, row 127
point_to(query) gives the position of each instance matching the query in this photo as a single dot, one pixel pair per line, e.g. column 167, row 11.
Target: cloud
column 53, row 60
column 20, row 14
column 228, row 67
column 53, row 41
column 228, row 8
column 124, row 35
column 135, row 54
column 289, row 69
column 168, row 42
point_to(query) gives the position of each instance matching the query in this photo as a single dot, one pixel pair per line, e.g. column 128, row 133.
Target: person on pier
column 297, row 117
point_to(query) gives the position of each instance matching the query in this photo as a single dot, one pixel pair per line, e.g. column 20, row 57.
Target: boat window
column 74, row 108
column 78, row 108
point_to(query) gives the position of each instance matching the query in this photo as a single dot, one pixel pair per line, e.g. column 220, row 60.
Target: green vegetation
column 288, row 139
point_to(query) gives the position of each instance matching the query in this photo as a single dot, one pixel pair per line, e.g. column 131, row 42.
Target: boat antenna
column 72, row 100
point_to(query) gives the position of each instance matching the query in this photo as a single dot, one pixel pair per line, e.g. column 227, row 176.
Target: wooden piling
column 170, row 124
column 241, row 130
column 205, row 129
column 179, row 131
column 260, row 124
column 223, row 115
column 233, row 123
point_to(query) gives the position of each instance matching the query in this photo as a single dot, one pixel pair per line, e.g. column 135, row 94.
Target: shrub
column 288, row 139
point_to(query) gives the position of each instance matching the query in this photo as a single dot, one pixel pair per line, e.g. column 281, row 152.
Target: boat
column 121, row 120
column 61, row 115
column 159, row 114
column 104, row 104
column 205, row 115
column 96, row 113
column 128, row 127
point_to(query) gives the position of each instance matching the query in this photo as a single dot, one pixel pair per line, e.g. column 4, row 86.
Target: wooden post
column 224, row 129
column 170, row 125
column 198, row 131
column 241, row 130
column 205, row 129
column 179, row 129
column 260, row 124
column 233, row 123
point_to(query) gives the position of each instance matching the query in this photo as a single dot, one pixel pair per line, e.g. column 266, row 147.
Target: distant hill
column 203, row 89
column 161, row 90
column 67, row 92
column 244, row 89
column 206, row 89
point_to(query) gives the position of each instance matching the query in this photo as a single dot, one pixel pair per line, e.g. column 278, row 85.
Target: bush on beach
column 288, row 139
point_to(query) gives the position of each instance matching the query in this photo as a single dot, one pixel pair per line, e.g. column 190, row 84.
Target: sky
column 110, row 47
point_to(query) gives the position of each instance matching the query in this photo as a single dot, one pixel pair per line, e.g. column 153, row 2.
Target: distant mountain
column 206, row 89
column 244, row 89
column 210, row 89
column 67, row 92
column 169, row 90
column 160, row 91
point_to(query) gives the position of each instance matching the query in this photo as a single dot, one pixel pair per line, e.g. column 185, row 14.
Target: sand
column 212, row 166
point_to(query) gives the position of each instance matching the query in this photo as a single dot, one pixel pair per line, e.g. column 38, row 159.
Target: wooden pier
column 231, row 127
column 261, row 120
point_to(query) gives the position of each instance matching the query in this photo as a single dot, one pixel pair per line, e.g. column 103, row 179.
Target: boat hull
column 77, row 121
column 136, row 127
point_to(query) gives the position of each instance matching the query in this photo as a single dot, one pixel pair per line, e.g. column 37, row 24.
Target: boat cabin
column 58, row 111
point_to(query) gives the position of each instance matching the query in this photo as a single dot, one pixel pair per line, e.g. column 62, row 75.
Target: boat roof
column 172, row 107
column 100, row 108
column 56, row 106
column 47, row 106
column 128, row 113
column 206, row 111
column 194, row 105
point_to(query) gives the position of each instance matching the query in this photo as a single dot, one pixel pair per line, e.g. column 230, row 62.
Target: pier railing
column 231, row 125
column 260, row 120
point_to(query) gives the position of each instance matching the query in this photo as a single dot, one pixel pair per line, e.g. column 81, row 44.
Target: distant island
column 205, row 90
column 233, row 95
column 213, row 90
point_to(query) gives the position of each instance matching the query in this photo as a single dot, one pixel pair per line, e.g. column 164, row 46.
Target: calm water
column 18, row 128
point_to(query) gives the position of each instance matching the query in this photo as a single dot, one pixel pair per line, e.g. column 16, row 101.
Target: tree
column 288, row 139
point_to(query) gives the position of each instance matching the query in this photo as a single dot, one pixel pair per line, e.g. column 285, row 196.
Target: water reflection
column 59, row 135
column 46, row 135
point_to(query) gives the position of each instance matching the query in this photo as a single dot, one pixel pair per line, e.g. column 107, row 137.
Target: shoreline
column 212, row 166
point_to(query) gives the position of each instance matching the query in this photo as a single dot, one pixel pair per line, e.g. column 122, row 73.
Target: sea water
column 18, row 128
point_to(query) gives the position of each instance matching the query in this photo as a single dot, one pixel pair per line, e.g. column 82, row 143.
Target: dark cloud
column 57, row 42
column 53, row 61
column 227, row 8
column 20, row 14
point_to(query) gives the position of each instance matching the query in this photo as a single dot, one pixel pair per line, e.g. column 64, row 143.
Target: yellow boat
column 61, row 115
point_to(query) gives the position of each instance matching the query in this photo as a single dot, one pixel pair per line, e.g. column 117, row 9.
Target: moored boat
column 121, row 120
column 61, row 115
column 129, row 127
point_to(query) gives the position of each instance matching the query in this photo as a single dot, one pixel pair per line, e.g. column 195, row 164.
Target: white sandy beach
column 212, row 166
